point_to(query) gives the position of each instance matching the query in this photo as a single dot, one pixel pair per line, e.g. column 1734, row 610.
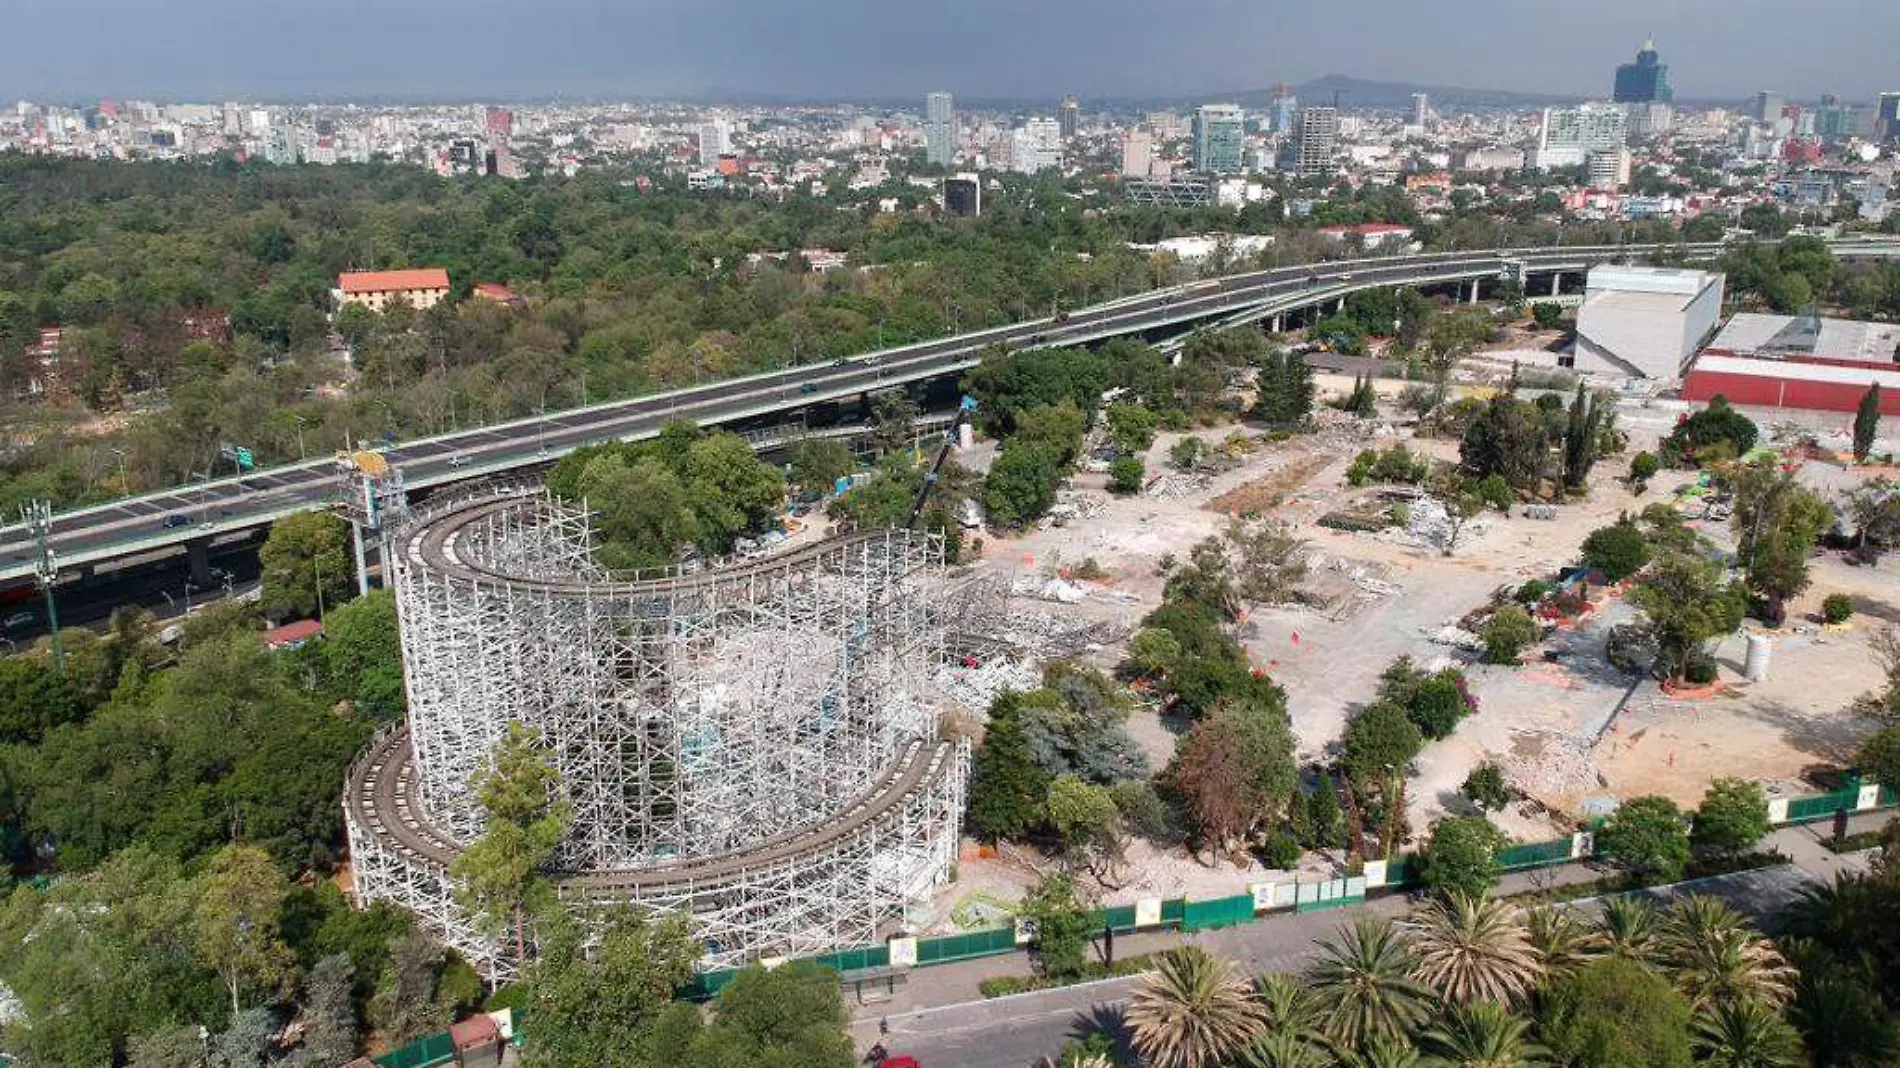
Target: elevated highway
column 201, row 513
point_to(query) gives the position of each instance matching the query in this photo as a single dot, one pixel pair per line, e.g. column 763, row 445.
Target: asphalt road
column 176, row 516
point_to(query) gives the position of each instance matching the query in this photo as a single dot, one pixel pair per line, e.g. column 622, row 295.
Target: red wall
column 1752, row 391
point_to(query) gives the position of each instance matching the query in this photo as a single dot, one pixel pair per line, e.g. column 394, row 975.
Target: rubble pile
column 1176, row 486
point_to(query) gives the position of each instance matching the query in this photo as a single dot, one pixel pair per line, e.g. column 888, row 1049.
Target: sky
column 81, row 50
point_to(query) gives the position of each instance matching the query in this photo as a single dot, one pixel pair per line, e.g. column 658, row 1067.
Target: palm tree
column 1191, row 1011
column 1563, row 942
column 1629, row 927
column 1285, row 1049
column 1362, row 980
column 1746, row 1034
column 1474, row 949
column 1285, row 1004
column 1383, row 1052
column 1716, row 956
column 1482, row 1034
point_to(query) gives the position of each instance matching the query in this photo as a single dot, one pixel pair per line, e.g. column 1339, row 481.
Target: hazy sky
column 831, row 49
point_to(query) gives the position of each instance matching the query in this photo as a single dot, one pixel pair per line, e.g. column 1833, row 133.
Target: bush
column 1397, row 464
column 1647, row 836
column 1700, row 672
column 1643, row 466
column 1714, row 432
column 1533, row 591
column 1508, row 632
column 1125, row 475
column 1281, row 851
column 1615, row 1012
column 1733, row 816
column 1496, row 492
column 1618, row 550
column 1438, row 704
column 1837, row 608
column 1381, row 736
column 1462, row 856
column 1485, row 787
column 1183, row 455
column 1548, row 315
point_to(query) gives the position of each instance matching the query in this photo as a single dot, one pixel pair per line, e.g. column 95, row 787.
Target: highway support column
column 198, row 561
column 362, row 568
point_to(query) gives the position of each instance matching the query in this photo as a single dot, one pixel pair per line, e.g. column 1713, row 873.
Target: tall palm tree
column 1630, row 927
column 1363, row 982
column 1562, row 941
column 1192, row 1011
column 1474, row 949
column 1746, row 1034
column 1716, row 956
column 1482, row 1034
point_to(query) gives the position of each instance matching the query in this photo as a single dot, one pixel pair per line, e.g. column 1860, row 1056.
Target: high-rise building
column 1651, row 119
column 1035, row 146
column 1283, row 109
column 963, row 195
column 1219, row 130
column 1421, row 109
column 940, row 125
column 1319, row 135
column 715, row 140
column 1610, row 168
column 1645, row 80
column 1069, row 118
column 500, row 122
column 1571, row 134
column 1887, row 118
column 1768, row 107
column 1138, row 153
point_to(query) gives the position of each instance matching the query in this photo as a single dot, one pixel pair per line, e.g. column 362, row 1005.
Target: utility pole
column 39, row 522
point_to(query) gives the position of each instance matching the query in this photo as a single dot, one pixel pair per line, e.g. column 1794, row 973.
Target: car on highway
column 173, row 522
column 808, row 387
column 20, row 619
column 460, row 459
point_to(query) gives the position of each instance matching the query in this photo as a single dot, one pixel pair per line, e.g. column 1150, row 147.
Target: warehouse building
column 1806, row 362
column 1645, row 321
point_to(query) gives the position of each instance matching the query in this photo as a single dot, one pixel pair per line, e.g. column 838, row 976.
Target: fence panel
column 1220, row 912
column 435, row 1049
column 1120, row 919
column 1534, row 854
column 964, row 946
column 1173, row 911
column 855, row 959
column 1401, row 871
column 1822, row 806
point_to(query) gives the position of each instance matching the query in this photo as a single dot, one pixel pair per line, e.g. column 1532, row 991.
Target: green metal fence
column 1219, row 912
column 965, row 946
column 1823, row 806
column 1120, row 919
column 857, row 959
column 435, row 1049
column 1534, row 854
column 1173, row 911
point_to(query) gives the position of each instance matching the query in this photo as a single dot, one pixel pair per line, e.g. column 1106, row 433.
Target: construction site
column 754, row 745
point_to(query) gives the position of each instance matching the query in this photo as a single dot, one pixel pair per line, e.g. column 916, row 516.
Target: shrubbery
column 1397, row 464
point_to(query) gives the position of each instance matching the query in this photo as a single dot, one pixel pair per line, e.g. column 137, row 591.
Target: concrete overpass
column 197, row 515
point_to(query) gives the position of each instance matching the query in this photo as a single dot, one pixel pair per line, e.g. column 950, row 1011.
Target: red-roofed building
column 291, row 635
column 1371, row 235
column 422, row 287
column 499, row 293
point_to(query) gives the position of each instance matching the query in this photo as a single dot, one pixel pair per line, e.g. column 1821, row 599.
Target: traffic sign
column 245, row 460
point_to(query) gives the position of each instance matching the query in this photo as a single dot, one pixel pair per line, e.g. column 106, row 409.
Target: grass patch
column 1854, row 843
column 1004, row 985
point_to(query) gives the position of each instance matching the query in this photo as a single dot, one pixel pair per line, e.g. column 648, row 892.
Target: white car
column 20, row 619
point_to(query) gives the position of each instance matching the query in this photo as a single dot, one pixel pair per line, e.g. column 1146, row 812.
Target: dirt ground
column 1573, row 733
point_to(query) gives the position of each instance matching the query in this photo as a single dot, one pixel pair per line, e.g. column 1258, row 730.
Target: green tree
column 1063, row 925
column 598, row 983
column 1183, row 454
column 1285, row 386
column 1879, row 755
column 1866, row 423
column 1777, row 524
column 1506, row 439
column 1021, row 484
column 1746, row 1034
column 1582, row 435
column 1363, row 979
column 503, row 875
column 1008, row 792
column 1085, row 816
column 1485, row 787
column 1643, row 467
column 1508, row 632
column 1648, row 837
column 1192, row 1011
column 330, row 1008
column 1733, row 816
column 1614, row 1013
column 1234, row 770
column 1547, row 315
column 818, row 463
column 1687, row 602
column 362, row 654
column 235, row 923
column 1153, row 652
column 1618, row 550
column 1125, row 475
column 792, row 1016
column 1132, row 427
column 34, row 698
column 1461, row 857
column 1381, row 740
column 1716, row 425
column 306, row 565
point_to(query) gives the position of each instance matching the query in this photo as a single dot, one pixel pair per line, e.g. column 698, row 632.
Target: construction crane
column 965, row 409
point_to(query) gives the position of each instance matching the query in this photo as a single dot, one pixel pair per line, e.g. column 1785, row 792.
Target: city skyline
column 854, row 49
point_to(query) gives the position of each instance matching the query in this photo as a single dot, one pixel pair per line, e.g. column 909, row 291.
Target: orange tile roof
column 392, row 281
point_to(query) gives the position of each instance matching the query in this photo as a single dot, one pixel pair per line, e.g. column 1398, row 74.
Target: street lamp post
column 125, row 481
column 39, row 521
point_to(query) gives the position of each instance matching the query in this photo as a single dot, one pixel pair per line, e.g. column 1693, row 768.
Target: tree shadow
column 1109, row 1021
column 1832, row 738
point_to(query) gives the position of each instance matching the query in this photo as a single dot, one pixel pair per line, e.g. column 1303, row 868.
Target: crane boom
column 964, row 409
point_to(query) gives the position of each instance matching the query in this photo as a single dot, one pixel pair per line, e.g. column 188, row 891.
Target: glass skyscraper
column 1644, row 81
column 1219, row 131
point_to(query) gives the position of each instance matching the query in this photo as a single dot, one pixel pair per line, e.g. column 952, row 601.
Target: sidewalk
column 942, row 1010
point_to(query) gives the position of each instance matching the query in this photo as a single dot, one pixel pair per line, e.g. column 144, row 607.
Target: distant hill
column 1365, row 93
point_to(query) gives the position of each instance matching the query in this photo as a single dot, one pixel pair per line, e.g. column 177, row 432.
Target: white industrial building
column 1645, row 321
